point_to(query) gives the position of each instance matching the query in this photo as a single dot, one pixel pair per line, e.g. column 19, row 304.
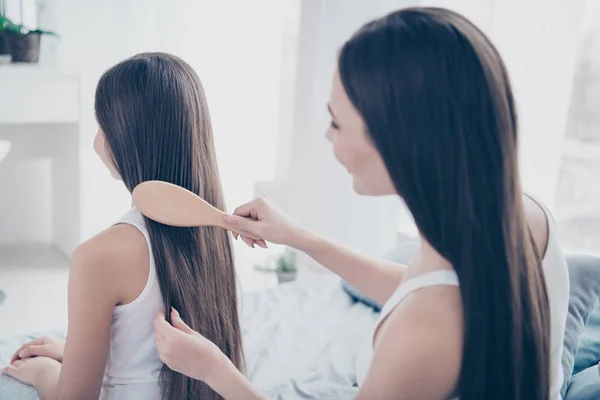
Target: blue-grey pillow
column 585, row 385
column 588, row 351
column 401, row 254
column 584, row 276
column 359, row 297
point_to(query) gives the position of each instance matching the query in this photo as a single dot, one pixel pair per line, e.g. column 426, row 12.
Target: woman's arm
column 231, row 384
column 375, row 277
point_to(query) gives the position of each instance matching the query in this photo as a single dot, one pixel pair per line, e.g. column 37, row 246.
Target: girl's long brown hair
column 437, row 101
column 154, row 115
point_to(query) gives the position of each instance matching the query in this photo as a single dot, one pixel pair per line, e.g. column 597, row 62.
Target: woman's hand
column 263, row 218
column 41, row 347
column 186, row 351
column 39, row 372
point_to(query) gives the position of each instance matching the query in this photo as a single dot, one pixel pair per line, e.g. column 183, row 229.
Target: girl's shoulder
column 118, row 258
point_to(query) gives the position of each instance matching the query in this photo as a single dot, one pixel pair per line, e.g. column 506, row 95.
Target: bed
column 301, row 342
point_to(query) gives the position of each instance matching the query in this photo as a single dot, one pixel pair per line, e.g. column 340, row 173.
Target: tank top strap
column 135, row 218
column 434, row 278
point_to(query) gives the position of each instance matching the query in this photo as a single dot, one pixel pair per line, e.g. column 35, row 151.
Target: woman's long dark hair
column 437, row 103
column 154, row 116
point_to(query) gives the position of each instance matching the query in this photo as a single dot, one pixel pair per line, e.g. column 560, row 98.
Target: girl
column 422, row 107
column 154, row 124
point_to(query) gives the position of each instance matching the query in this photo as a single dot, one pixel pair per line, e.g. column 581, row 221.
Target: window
column 578, row 199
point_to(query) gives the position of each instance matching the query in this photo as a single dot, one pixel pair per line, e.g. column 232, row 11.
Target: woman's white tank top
column 557, row 283
column 133, row 365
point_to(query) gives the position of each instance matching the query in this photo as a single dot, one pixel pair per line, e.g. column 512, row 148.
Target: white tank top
column 557, row 283
column 133, row 365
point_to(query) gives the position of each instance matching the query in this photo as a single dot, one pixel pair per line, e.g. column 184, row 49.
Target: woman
column 422, row 107
column 154, row 124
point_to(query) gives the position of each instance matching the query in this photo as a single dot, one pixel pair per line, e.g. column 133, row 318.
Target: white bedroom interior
column 266, row 67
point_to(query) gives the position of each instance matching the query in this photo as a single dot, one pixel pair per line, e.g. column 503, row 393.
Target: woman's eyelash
column 334, row 125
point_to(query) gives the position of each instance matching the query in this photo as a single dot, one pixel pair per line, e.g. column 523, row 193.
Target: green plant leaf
column 6, row 25
column 42, row 32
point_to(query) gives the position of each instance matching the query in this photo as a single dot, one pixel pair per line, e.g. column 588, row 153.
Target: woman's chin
column 361, row 189
column 365, row 190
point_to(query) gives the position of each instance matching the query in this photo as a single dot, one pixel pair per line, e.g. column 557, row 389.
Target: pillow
column 588, row 352
column 585, row 385
column 359, row 297
column 584, row 275
column 401, row 254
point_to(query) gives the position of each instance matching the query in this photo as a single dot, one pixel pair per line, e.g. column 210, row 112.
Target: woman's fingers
column 161, row 326
column 179, row 324
column 243, row 225
column 248, row 210
column 248, row 241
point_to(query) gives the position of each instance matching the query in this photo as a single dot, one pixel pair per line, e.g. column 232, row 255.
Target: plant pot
column 25, row 48
column 286, row 276
column 4, row 44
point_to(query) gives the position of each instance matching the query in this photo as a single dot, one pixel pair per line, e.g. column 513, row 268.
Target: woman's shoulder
column 409, row 351
column 554, row 263
column 539, row 223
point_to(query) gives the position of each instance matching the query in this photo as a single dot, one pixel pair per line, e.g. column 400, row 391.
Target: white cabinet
column 30, row 95
column 39, row 177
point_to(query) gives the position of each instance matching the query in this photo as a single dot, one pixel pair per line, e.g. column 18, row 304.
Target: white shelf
column 37, row 70
column 32, row 94
column 40, row 120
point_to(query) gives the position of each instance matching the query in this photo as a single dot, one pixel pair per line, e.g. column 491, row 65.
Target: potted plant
column 25, row 43
column 286, row 267
column 5, row 25
column 4, row 49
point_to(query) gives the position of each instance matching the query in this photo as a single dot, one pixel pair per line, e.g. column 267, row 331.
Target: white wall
column 234, row 45
column 94, row 36
column 320, row 190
